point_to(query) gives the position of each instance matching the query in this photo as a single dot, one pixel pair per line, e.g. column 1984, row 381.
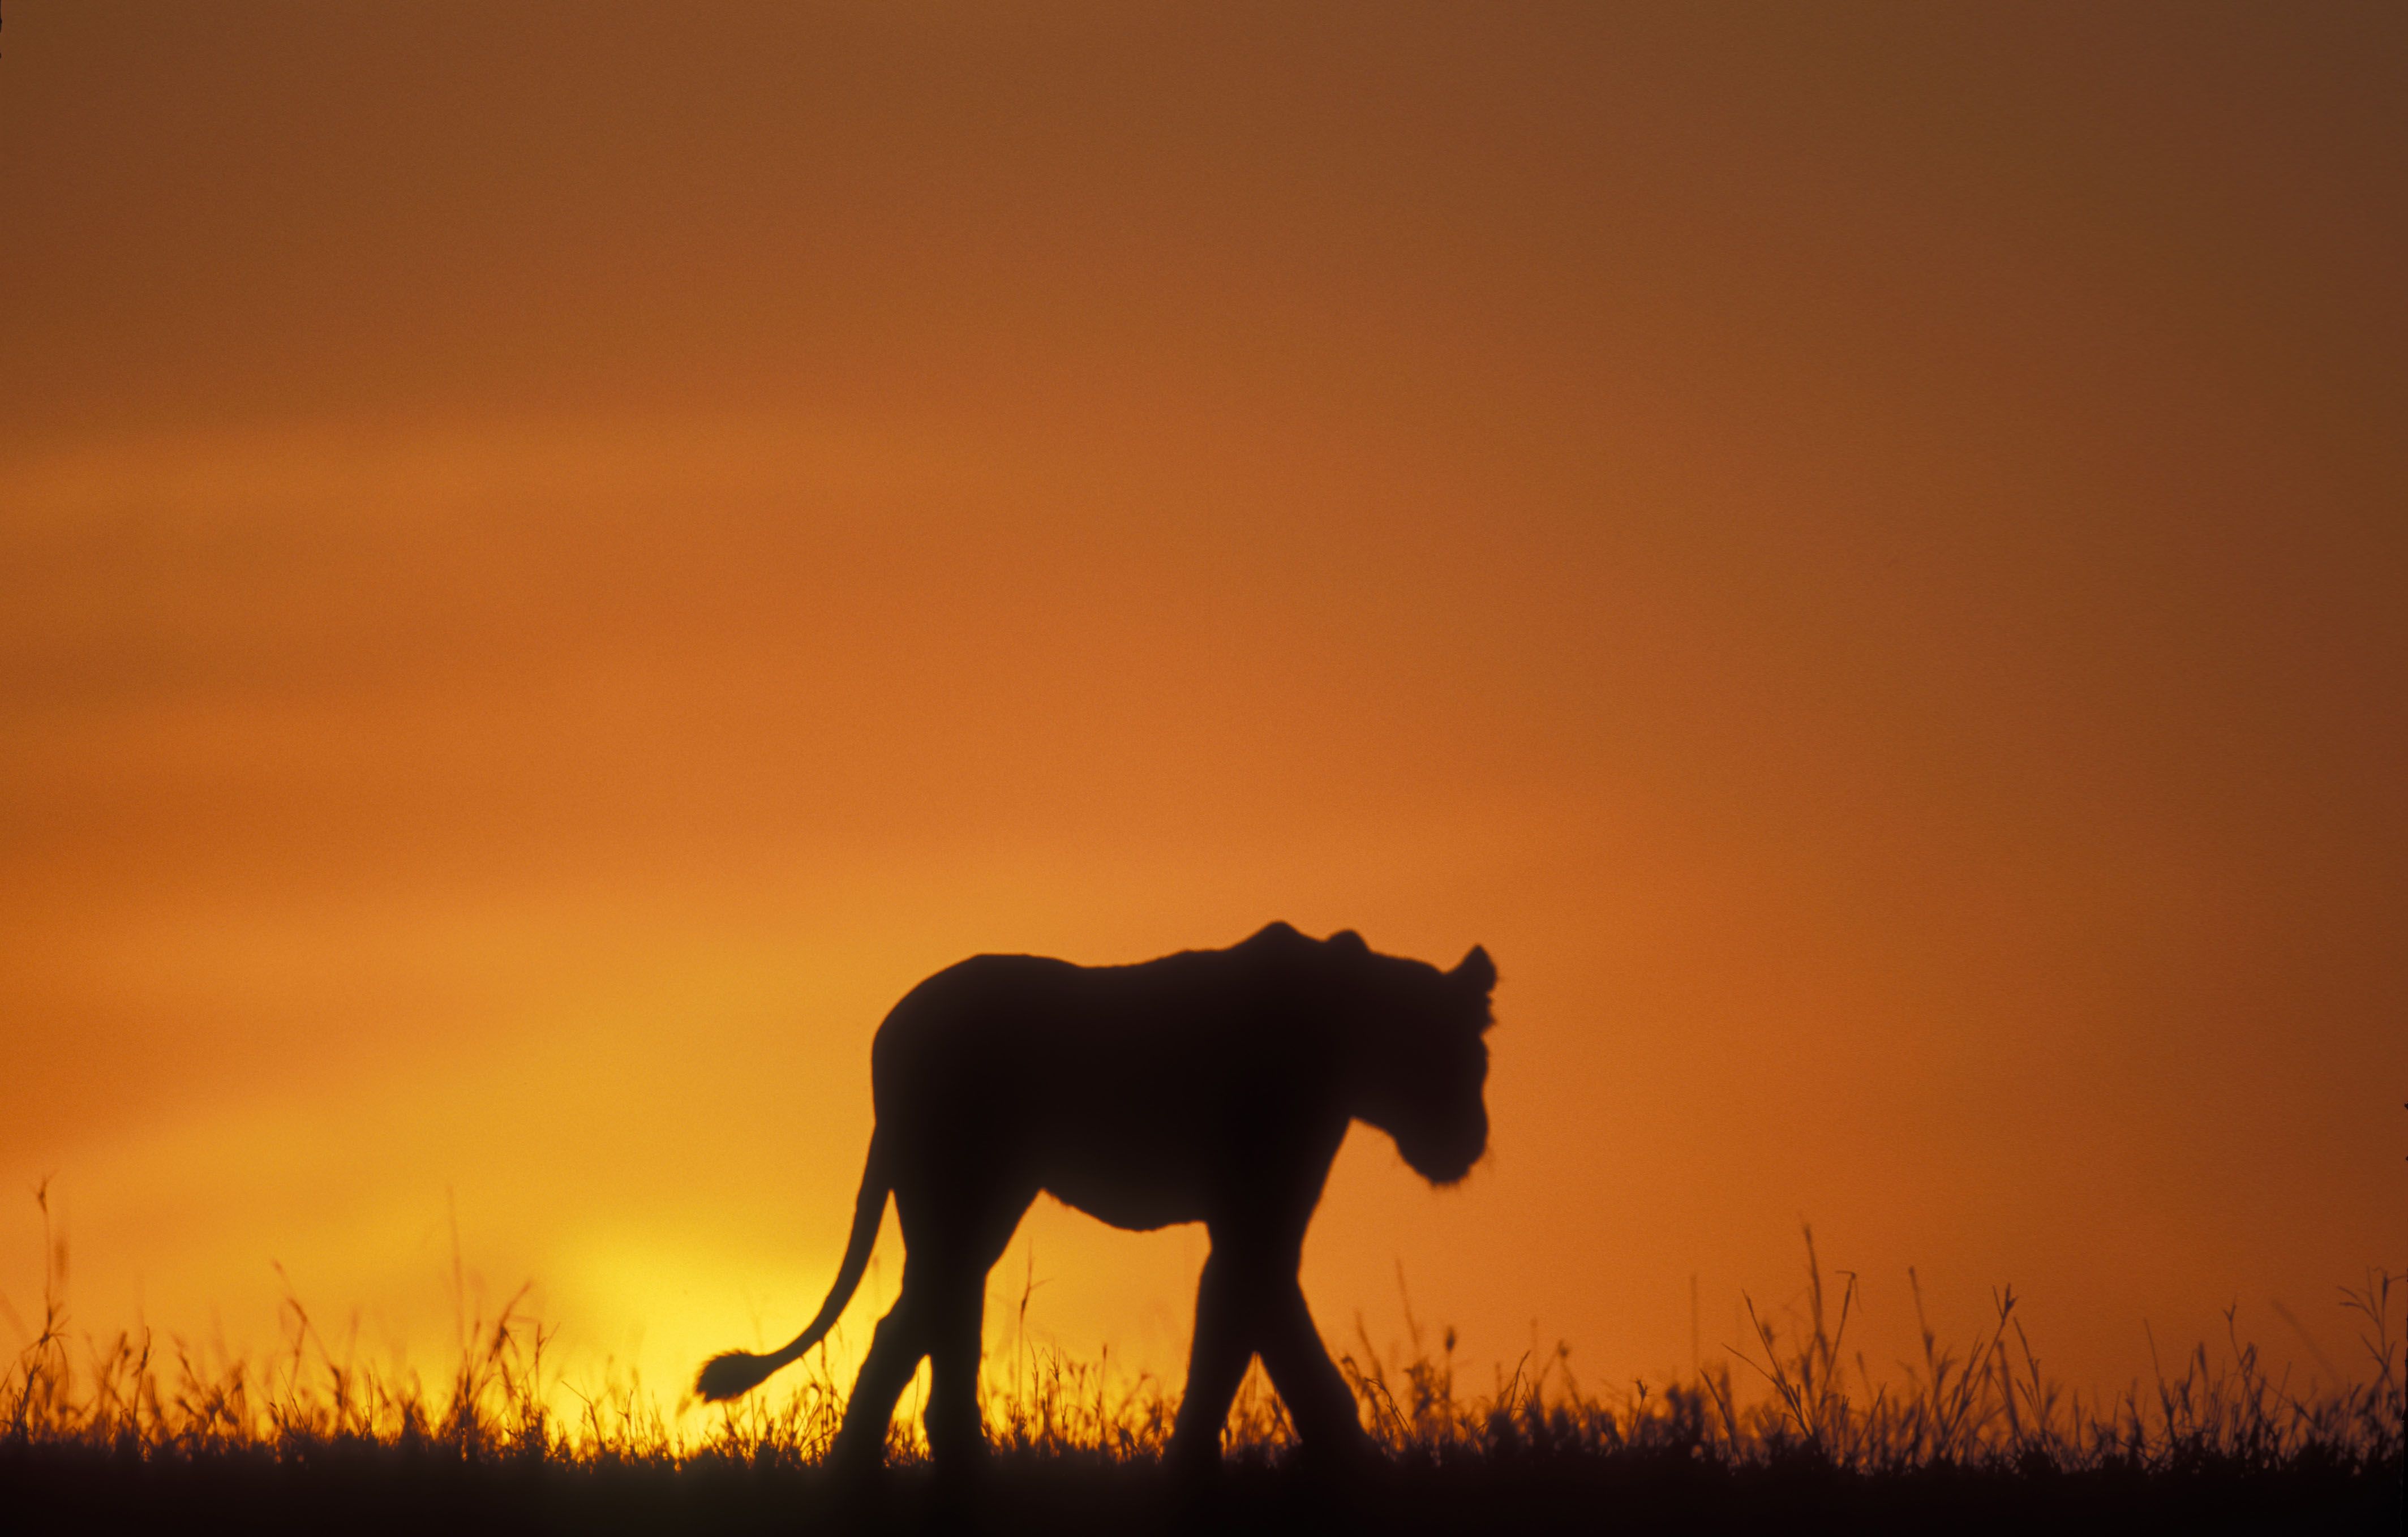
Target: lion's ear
column 1476, row 971
column 1349, row 942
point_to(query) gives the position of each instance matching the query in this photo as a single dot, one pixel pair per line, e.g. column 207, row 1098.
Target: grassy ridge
column 135, row 1432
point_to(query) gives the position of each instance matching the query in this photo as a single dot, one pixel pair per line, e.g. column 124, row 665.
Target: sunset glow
column 553, row 561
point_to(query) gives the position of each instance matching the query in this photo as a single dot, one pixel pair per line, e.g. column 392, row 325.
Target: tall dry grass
column 1795, row 1394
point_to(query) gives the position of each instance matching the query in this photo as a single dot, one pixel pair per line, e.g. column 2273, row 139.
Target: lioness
column 1212, row 1086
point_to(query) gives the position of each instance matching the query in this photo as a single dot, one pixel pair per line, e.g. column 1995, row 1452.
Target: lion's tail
column 738, row 1371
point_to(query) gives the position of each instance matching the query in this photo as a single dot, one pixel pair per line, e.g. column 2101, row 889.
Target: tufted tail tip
column 729, row 1376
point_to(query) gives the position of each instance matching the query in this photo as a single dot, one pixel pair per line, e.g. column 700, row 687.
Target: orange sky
column 554, row 559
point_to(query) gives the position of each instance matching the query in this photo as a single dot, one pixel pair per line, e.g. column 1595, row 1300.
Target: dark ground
column 383, row 1489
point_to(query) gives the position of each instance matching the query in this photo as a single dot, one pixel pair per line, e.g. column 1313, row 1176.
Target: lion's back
column 1116, row 1087
column 1031, row 1022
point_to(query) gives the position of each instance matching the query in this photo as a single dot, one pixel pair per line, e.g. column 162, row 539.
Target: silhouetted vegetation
column 133, row 1432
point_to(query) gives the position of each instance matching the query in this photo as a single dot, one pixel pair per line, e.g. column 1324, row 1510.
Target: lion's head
column 1421, row 1057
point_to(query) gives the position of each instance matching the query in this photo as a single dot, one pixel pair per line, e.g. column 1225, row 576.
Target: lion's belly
column 1120, row 1169
column 1126, row 1197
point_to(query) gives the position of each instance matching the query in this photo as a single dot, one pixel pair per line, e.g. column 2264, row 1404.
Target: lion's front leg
column 1216, row 1362
column 1249, row 1303
column 1309, row 1381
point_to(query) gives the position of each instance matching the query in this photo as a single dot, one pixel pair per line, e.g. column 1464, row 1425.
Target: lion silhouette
column 1210, row 1086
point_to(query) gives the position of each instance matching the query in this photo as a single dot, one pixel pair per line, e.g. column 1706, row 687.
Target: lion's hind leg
column 955, row 1308
column 894, row 1352
column 952, row 1238
column 955, row 1241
